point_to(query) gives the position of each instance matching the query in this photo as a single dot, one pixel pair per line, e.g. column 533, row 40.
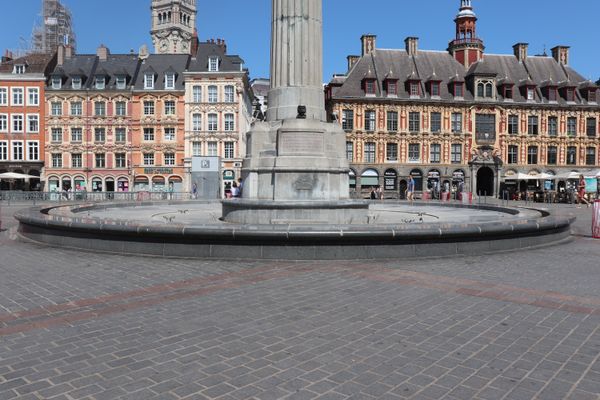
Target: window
column 369, row 121
column 56, row 135
column 513, row 154
column 121, row 82
column 392, row 88
column 120, row 161
column 436, row 122
column 33, row 151
column 170, row 81
column 76, row 83
column 592, row 96
column 148, row 134
column 3, row 96
column 552, row 157
column 391, row 152
column 458, row 90
column 552, row 94
column 532, row 155
column 213, row 64
column 76, row 134
column 99, row 108
column 170, row 107
column 552, row 126
column 3, row 123
column 532, row 125
column 571, row 155
column 590, row 127
column 17, row 96
column 570, row 94
column 149, row 81
column 17, row 123
column 485, row 89
column 56, row 108
column 513, row 124
column 196, row 148
column 33, row 123
column 76, row 160
column 572, row 126
column 211, row 149
column 414, row 89
column 229, row 123
column 169, row 134
column 456, row 153
column 456, row 122
column 19, row 69
column 392, row 121
column 229, row 94
column 369, row 152
column 347, row 120
column 148, row 158
column 590, row 156
column 76, row 108
column 121, row 108
column 196, row 122
column 33, row 96
column 197, row 94
column 212, row 122
column 56, row 160
column 100, row 82
column 3, row 151
column 56, row 82
column 530, row 93
column 17, row 148
column 485, row 126
column 100, row 160
column 508, row 92
column 148, row 108
column 435, row 153
column 434, row 87
column 212, row 94
column 229, row 146
column 99, row 135
column 169, row 159
column 414, row 122
column 370, row 86
column 350, row 151
column 414, row 152
column 120, row 135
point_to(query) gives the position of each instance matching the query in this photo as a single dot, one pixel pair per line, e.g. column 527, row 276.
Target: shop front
column 390, row 182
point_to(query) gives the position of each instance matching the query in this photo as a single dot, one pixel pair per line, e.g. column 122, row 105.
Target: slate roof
column 36, row 63
column 206, row 50
column 159, row 65
column 505, row 69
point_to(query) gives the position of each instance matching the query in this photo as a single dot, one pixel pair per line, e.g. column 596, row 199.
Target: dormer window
column 485, row 90
column 458, row 89
column 570, row 94
column 592, row 96
column 369, row 87
column 19, row 69
column 391, row 87
column 434, row 89
column 213, row 64
column 169, row 81
column 100, row 82
column 149, row 81
column 76, row 82
column 56, row 82
column 552, row 95
column 530, row 93
column 508, row 92
column 414, row 89
column 121, row 82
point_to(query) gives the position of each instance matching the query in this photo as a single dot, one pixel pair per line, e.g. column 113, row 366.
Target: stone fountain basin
column 195, row 230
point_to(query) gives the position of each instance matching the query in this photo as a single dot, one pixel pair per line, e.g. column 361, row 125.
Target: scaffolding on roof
column 54, row 29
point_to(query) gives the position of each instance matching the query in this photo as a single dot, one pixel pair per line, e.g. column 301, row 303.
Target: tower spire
column 466, row 48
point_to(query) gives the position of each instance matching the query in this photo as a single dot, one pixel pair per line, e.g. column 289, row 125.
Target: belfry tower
column 173, row 26
column 467, row 48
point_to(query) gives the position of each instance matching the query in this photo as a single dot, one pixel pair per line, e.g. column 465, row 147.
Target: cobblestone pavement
column 518, row 325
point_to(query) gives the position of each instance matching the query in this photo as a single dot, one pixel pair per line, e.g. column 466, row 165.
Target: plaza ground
column 515, row 325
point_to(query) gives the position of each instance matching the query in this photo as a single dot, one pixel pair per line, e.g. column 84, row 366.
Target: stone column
column 296, row 60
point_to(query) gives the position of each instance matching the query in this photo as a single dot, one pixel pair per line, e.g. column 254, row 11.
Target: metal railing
column 80, row 196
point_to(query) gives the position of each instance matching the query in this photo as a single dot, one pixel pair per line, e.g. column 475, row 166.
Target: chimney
column 368, row 44
column 143, row 53
column 68, row 52
column 412, row 45
column 102, row 52
column 520, row 50
column 352, row 60
column 7, row 56
column 222, row 44
column 195, row 43
column 60, row 56
column 561, row 54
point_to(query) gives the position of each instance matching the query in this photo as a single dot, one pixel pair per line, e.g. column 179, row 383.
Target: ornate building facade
column 218, row 109
column 173, row 26
column 461, row 119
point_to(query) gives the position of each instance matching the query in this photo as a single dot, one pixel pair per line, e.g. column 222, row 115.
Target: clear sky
column 245, row 25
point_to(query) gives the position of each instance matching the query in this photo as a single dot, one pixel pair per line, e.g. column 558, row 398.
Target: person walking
column 373, row 195
column 581, row 191
column 235, row 190
column 195, row 191
column 410, row 188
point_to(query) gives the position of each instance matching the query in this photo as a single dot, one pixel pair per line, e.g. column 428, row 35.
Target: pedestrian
column 235, row 190
column 410, row 188
column 581, row 191
column 373, row 194
column 378, row 193
column 195, row 191
column 240, row 187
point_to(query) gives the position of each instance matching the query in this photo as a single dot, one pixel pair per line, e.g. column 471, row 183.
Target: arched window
column 369, row 178
column 480, row 89
column 489, row 90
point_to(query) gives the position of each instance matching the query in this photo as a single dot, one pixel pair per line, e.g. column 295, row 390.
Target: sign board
column 205, row 164
column 591, row 185
column 158, row 170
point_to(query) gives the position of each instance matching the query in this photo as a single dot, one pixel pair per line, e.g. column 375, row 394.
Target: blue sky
column 245, row 25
